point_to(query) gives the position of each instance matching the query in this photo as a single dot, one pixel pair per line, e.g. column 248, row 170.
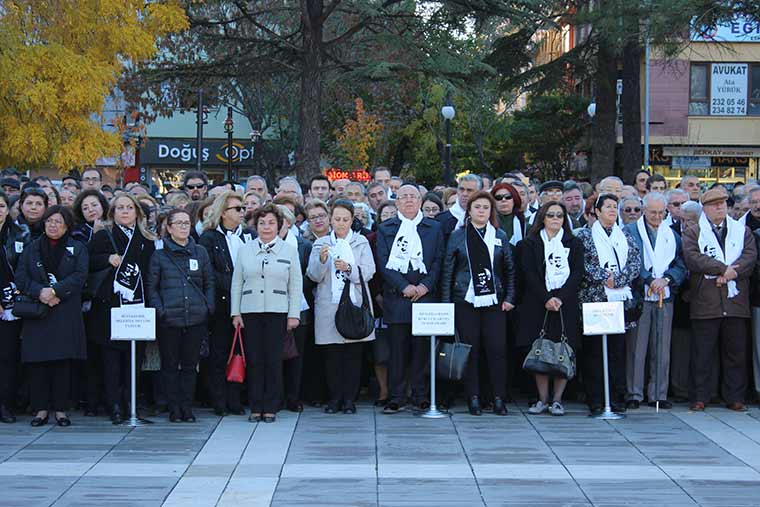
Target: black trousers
column 407, row 350
column 263, row 336
column 223, row 393
column 485, row 330
column 94, row 375
column 50, row 383
column 343, row 368
column 292, row 368
column 116, row 375
column 180, row 349
column 10, row 331
column 313, row 383
column 594, row 371
column 725, row 338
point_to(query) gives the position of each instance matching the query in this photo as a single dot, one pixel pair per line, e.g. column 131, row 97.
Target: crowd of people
column 270, row 264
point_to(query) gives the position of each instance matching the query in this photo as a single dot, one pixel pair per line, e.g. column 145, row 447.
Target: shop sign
column 728, row 89
column 712, row 151
column 180, row 152
column 740, row 29
column 335, row 173
column 691, row 162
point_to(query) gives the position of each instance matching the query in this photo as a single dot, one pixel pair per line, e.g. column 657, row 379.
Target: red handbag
column 236, row 362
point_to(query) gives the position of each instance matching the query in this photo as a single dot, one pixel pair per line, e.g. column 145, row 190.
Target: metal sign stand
column 433, row 412
column 133, row 420
column 607, row 414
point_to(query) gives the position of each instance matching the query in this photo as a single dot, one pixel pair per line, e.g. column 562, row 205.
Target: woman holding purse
column 552, row 264
column 479, row 278
column 181, row 289
column 336, row 259
column 265, row 301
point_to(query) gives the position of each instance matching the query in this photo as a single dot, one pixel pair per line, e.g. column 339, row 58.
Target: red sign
column 360, row 175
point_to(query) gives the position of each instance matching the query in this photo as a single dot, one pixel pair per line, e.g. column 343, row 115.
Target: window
column 754, row 91
column 698, row 96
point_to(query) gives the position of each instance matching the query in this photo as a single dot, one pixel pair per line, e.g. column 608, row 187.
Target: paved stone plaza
column 369, row 459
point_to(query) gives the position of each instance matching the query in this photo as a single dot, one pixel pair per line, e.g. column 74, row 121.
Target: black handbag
column 547, row 357
column 354, row 322
column 451, row 359
column 26, row 307
column 95, row 279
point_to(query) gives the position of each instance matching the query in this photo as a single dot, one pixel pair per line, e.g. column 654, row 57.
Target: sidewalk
column 369, row 459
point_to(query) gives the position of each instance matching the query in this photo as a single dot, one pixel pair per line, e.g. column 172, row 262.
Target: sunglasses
column 195, row 187
column 236, row 208
column 503, row 197
column 632, row 210
column 555, row 214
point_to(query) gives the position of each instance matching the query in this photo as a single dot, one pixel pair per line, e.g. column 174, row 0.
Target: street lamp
column 447, row 111
column 591, row 109
column 229, row 125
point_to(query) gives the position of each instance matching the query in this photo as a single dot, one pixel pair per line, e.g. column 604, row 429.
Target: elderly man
column 257, row 184
column 355, row 192
column 289, row 186
column 549, row 191
column 676, row 198
column 611, row 185
column 753, row 200
column 690, row 185
column 629, row 209
column 572, row 198
column 410, row 251
column 662, row 271
column 376, row 195
column 453, row 218
column 339, row 186
column 721, row 255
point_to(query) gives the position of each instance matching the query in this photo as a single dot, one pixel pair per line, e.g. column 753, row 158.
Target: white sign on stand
column 603, row 318
column 133, row 322
column 433, row 319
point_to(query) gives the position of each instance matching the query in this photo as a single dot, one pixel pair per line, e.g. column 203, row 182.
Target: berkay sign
column 183, row 152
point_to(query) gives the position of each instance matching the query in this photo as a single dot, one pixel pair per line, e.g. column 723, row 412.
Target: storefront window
column 698, row 103
column 754, row 91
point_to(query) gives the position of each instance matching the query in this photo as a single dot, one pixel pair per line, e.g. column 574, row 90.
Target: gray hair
column 365, row 207
column 654, row 197
column 256, row 177
column 290, row 179
column 750, row 189
column 472, row 177
column 286, row 214
column 691, row 207
column 357, row 184
column 676, row 192
column 611, row 178
column 624, row 200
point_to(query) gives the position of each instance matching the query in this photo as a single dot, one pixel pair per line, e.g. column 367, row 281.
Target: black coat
column 100, row 249
column 61, row 334
column 83, row 232
column 397, row 309
column 219, row 254
column 304, row 252
column 181, row 284
column 455, row 277
column 15, row 241
column 534, row 298
column 448, row 223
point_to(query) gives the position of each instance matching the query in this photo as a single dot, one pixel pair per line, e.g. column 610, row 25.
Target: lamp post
column 229, row 125
column 200, row 120
column 447, row 111
column 591, row 110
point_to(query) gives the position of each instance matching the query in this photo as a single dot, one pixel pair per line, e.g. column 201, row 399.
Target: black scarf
column 128, row 275
column 36, row 229
column 52, row 252
column 6, row 272
column 481, row 266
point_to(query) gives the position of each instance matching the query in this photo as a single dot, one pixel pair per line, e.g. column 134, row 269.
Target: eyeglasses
column 51, row 221
column 195, row 187
column 236, row 208
column 555, row 214
column 183, row 223
column 318, row 218
column 632, row 210
column 503, row 197
column 433, row 209
column 676, row 204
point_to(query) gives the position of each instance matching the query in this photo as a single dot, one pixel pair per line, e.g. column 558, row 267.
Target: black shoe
column 269, row 418
column 236, row 411
column 294, row 406
column 349, row 407
column 393, row 408
column 39, row 421
column 90, row 412
column 664, row 404
column 474, row 406
column 422, row 405
column 333, row 407
column 116, row 417
column 218, row 411
column 63, row 421
column 175, row 416
column 618, row 408
column 381, row 402
column 595, row 410
column 499, row 408
column 187, row 415
column 632, row 404
column 255, row 418
column 6, row 416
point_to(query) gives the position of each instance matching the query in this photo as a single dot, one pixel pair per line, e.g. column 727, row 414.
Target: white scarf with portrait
column 407, row 246
column 340, row 248
column 612, row 251
column 657, row 260
column 556, row 260
column 709, row 245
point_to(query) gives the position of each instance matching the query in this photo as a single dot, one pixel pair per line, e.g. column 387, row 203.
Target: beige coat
column 325, row 332
column 264, row 283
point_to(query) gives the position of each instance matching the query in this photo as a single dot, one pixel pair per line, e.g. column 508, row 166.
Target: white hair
column 366, row 208
column 652, row 197
column 290, row 179
column 675, row 192
column 691, row 207
column 256, row 177
column 472, row 177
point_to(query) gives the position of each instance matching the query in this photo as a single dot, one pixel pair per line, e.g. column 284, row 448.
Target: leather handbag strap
column 237, row 338
column 365, row 298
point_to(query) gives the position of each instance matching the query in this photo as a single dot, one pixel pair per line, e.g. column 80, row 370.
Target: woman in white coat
column 334, row 258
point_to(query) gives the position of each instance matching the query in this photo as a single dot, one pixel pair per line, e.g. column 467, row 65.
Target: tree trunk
column 603, row 129
column 630, row 107
column 310, row 133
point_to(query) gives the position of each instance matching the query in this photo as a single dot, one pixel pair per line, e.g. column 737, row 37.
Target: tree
column 358, row 136
column 58, row 63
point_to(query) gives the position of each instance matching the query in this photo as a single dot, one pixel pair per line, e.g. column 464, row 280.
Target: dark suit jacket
column 448, row 222
column 396, row 308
